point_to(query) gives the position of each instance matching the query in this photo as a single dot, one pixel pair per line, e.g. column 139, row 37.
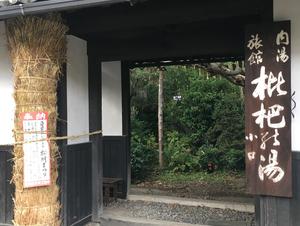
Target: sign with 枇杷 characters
column 36, row 149
column 268, row 109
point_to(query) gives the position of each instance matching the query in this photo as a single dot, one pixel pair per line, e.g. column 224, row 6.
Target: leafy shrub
column 178, row 155
column 209, row 154
column 234, row 159
column 144, row 153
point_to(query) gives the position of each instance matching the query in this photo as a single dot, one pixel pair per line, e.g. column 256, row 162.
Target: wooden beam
column 51, row 6
column 223, row 41
column 157, row 13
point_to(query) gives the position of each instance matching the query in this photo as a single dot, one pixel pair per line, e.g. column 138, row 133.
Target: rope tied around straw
column 71, row 137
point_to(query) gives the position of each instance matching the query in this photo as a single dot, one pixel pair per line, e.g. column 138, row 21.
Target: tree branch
column 234, row 75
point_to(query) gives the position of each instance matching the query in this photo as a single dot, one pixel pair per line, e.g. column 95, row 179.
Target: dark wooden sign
column 268, row 109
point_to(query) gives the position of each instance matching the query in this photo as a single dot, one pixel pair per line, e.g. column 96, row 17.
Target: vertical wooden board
column 268, row 109
column 9, row 187
column 115, row 163
column 97, row 179
column 126, row 120
column 62, row 131
column 270, row 212
column 79, row 182
column 95, row 117
column 6, row 189
column 126, row 98
column 82, row 183
column 284, row 211
column 64, row 185
column 273, row 211
column 295, row 202
column 3, row 186
column 89, row 184
column 68, row 159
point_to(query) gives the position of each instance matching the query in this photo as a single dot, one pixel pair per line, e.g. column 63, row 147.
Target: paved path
column 115, row 218
column 155, row 210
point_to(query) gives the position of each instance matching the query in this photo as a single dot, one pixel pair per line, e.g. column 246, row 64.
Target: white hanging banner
column 36, row 149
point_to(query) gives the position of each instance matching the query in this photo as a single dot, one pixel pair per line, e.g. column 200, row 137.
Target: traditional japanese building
column 108, row 37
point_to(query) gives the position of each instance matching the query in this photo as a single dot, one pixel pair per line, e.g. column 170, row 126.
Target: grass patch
column 197, row 184
column 196, row 177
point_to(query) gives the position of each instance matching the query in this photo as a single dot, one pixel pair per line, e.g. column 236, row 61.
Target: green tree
column 203, row 116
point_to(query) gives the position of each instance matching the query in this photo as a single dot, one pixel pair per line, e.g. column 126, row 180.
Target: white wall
column 290, row 10
column 111, row 99
column 7, row 106
column 77, row 89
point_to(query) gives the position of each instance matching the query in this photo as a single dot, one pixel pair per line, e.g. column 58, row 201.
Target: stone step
column 228, row 223
column 112, row 220
column 120, row 216
column 241, row 207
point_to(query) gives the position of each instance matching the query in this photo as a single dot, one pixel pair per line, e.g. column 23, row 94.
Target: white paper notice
column 36, row 153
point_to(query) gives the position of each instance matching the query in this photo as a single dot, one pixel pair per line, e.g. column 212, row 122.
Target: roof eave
column 51, row 6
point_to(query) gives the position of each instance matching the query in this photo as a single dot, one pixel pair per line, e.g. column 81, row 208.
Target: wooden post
column 161, row 117
column 62, row 130
column 126, row 119
column 95, row 115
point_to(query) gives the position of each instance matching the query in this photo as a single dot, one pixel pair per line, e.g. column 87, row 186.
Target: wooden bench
column 111, row 187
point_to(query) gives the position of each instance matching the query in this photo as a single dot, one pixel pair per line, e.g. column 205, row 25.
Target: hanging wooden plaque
column 268, row 109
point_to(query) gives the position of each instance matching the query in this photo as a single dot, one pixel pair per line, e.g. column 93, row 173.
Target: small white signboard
column 36, row 149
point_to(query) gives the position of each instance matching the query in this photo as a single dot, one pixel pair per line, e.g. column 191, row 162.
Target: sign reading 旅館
column 36, row 149
column 268, row 109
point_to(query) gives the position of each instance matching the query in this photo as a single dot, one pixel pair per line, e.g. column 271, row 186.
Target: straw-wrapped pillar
column 37, row 47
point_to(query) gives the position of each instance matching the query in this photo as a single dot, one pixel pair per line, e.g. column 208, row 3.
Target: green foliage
column 178, row 153
column 143, row 151
column 217, row 177
column 234, row 159
column 230, row 159
column 209, row 154
column 144, row 94
column 205, row 126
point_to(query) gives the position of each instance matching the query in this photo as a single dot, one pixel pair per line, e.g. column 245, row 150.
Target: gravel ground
column 179, row 213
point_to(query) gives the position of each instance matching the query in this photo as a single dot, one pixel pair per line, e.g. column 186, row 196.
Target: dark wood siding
column 6, row 189
column 115, row 155
column 79, row 183
column 272, row 211
column 295, row 202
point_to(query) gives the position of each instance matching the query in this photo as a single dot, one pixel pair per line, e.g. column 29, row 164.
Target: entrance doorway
column 203, row 154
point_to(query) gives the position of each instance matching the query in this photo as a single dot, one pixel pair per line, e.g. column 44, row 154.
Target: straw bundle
column 38, row 47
